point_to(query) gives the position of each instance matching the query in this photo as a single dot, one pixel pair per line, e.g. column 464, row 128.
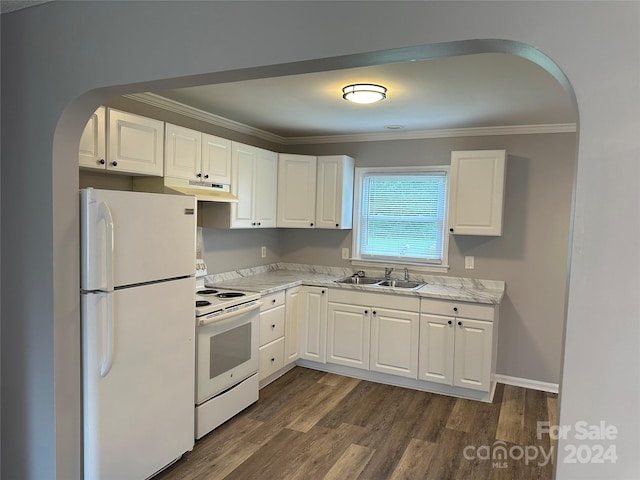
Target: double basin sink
column 380, row 282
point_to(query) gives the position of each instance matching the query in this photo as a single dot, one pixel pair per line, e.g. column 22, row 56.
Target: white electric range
column 227, row 324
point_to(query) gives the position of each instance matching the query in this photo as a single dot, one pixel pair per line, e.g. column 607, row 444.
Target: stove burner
column 230, row 295
column 202, row 303
column 206, row 292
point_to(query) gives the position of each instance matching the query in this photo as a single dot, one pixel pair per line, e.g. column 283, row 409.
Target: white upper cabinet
column 93, row 142
column 135, row 144
column 296, row 191
column 216, row 159
column 193, row 155
column 254, row 181
column 334, row 201
column 182, row 152
column 476, row 192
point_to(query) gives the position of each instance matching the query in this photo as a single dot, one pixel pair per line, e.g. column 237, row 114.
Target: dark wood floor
column 314, row 425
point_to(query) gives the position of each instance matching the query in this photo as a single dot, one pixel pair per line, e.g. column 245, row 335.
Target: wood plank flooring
column 314, row 425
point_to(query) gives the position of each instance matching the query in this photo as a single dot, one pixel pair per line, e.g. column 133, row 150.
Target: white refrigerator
column 138, row 330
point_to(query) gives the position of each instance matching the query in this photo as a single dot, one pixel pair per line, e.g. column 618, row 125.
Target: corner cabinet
column 296, row 191
column 134, row 144
column 315, row 192
column 476, row 192
column 313, row 324
column 254, row 180
column 458, row 343
column 92, row 152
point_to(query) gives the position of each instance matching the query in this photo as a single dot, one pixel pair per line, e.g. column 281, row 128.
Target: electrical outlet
column 264, row 252
column 345, row 253
column 469, row 262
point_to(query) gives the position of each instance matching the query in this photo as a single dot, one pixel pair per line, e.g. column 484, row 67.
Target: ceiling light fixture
column 364, row 93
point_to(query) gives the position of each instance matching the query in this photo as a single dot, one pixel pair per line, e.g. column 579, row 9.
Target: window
column 400, row 215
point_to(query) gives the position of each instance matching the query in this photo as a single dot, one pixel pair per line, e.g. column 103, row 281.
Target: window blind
column 402, row 216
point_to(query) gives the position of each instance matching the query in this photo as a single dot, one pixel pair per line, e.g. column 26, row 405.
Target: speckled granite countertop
column 276, row 277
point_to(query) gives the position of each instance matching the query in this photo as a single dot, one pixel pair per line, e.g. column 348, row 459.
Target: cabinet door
column 135, row 144
column 296, row 191
column 394, row 342
column 182, row 152
column 243, row 161
column 348, row 335
column 266, row 194
column 476, row 192
column 292, row 325
column 472, row 364
column 334, row 201
column 216, row 159
column 93, row 142
column 436, row 356
column 314, row 324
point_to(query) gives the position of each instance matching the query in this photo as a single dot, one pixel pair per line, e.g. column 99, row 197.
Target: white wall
column 54, row 53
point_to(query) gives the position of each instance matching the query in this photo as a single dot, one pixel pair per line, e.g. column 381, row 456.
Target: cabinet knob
column 337, row 225
column 451, row 230
column 198, row 175
column 311, row 224
column 455, row 309
column 114, row 163
column 259, row 224
column 101, row 161
column 206, row 176
column 253, row 224
column 273, row 359
column 366, row 312
column 460, row 324
column 273, row 325
column 322, row 292
column 450, row 322
column 273, row 300
column 374, row 312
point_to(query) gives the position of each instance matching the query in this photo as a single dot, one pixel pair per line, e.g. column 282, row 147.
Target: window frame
column 356, row 259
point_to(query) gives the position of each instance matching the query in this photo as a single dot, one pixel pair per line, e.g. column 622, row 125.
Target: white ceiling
column 481, row 90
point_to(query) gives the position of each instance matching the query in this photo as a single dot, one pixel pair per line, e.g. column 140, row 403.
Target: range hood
column 204, row 192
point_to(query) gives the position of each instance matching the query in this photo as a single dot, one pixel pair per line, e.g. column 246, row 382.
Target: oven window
column 229, row 349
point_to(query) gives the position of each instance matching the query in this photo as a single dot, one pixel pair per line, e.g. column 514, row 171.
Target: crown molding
column 195, row 113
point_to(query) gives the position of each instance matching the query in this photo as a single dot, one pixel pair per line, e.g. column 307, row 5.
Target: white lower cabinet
column 371, row 337
column 272, row 329
column 292, row 325
column 456, row 350
column 313, row 324
column 394, row 342
column 348, row 335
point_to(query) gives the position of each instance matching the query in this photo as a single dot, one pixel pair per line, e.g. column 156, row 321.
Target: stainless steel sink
column 359, row 280
column 400, row 284
column 379, row 282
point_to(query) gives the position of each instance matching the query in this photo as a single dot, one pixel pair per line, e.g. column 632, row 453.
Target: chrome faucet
column 359, row 273
column 406, row 274
column 387, row 272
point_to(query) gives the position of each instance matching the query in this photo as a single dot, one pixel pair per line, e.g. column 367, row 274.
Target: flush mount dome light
column 364, row 93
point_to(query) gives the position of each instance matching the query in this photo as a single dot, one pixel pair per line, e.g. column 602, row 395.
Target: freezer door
column 133, row 237
column 139, row 416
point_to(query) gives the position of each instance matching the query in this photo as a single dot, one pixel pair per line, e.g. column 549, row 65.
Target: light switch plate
column 345, row 253
column 469, row 262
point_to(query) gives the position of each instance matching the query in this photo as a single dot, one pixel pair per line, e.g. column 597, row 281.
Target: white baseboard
column 527, row 383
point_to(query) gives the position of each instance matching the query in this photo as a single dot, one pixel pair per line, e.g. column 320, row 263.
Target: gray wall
column 61, row 60
column 531, row 256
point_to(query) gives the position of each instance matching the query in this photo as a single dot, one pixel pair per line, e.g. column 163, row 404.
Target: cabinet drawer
column 458, row 309
column 272, row 300
column 271, row 358
column 271, row 324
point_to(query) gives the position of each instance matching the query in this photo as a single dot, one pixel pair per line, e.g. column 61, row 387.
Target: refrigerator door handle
column 105, row 366
column 104, row 213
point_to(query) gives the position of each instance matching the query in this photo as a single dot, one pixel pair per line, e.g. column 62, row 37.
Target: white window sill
column 414, row 267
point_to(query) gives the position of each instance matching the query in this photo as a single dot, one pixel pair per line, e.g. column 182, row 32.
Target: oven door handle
column 234, row 313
